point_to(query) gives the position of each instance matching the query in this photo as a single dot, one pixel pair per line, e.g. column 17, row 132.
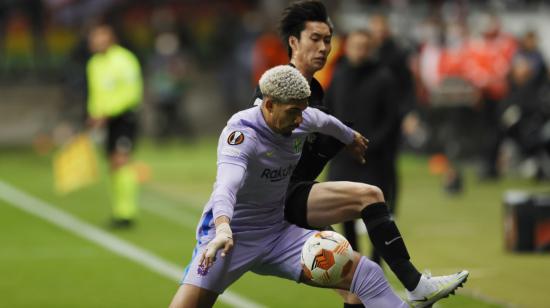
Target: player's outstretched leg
column 189, row 296
column 366, row 280
column 422, row 290
column 333, row 202
column 431, row 289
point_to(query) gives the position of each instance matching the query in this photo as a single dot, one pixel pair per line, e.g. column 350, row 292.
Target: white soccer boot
column 431, row 289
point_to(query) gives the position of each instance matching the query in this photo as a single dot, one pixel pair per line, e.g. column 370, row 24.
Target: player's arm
column 228, row 181
column 318, row 121
column 235, row 148
column 95, row 99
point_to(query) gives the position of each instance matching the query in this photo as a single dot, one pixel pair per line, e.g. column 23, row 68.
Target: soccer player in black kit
column 306, row 30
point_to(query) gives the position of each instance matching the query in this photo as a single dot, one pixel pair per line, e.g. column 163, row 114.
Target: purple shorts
column 273, row 252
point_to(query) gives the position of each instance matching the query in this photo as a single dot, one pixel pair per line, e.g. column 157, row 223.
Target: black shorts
column 122, row 132
column 296, row 203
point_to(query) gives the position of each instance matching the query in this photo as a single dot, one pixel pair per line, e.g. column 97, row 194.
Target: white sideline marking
column 102, row 238
column 180, row 217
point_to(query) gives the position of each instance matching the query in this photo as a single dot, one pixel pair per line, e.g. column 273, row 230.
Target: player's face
column 287, row 117
column 100, row 39
column 357, row 48
column 379, row 28
column 310, row 51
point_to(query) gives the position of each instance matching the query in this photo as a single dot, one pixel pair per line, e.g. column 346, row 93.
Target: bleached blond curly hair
column 284, row 84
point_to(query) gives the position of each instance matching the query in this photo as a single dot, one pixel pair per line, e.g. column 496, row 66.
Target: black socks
column 353, row 305
column 387, row 240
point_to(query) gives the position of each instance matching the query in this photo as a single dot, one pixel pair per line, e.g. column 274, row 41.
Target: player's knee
column 374, row 268
column 376, row 274
column 348, row 297
column 345, row 284
column 370, row 194
column 369, row 265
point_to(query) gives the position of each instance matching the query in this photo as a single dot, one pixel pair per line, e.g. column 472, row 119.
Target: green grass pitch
column 43, row 265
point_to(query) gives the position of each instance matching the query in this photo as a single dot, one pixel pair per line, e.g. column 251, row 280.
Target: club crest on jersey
column 235, row 138
column 202, row 270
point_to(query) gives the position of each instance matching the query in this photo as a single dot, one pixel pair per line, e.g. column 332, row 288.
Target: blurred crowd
column 469, row 88
column 485, row 89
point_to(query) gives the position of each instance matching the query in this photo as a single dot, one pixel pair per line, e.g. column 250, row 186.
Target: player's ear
column 268, row 102
column 293, row 42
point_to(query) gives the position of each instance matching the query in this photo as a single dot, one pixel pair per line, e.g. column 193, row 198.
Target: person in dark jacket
column 525, row 111
column 394, row 57
column 362, row 92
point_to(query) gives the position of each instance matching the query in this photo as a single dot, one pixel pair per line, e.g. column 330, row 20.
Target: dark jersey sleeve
column 318, row 149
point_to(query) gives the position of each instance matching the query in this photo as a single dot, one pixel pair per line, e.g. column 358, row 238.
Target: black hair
column 295, row 17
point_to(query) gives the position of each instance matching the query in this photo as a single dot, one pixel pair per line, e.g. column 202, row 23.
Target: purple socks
column 370, row 285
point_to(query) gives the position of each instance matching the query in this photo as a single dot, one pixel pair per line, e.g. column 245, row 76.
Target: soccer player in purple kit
column 242, row 227
column 307, row 32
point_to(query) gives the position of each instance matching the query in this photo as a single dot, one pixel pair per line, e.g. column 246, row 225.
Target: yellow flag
column 75, row 165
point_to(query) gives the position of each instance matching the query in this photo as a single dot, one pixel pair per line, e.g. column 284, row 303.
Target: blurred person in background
column 395, row 58
column 448, row 98
column 529, row 49
column 525, row 111
column 168, row 81
column 307, row 32
column 488, row 62
column 362, row 92
column 115, row 89
column 238, row 32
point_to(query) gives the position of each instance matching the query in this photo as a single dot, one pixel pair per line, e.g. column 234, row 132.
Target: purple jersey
column 268, row 159
column 254, row 168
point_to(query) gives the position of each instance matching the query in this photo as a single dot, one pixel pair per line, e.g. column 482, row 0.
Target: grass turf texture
column 43, row 265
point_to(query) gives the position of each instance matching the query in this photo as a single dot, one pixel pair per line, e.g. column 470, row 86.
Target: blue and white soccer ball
column 327, row 257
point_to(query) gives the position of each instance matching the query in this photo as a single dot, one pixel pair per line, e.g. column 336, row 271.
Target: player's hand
column 223, row 239
column 358, row 147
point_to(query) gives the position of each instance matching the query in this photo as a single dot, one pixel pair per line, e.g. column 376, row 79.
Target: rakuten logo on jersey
column 275, row 175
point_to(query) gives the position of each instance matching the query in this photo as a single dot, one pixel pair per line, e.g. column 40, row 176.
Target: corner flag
column 75, row 165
